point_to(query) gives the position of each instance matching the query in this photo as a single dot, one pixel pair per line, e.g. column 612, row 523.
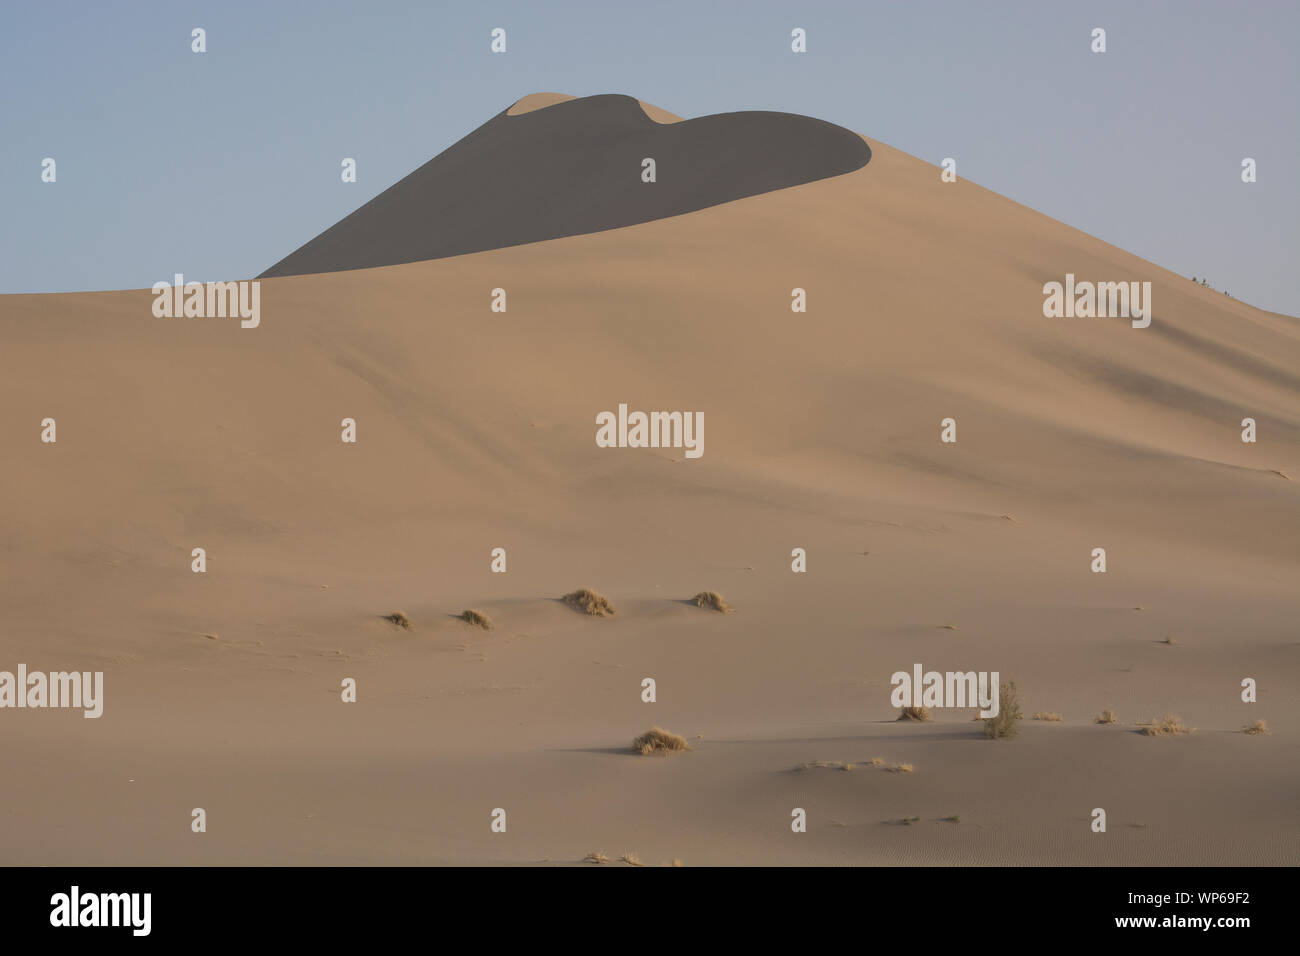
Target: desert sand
column 475, row 432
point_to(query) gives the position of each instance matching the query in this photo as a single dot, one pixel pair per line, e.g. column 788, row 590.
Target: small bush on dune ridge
column 915, row 713
column 657, row 740
column 595, row 856
column 589, row 602
column 1258, row 727
column 711, row 599
column 477, row 618
column 398, row 618
column 1107, row 716
column 1044, row 715
column 1167, row 726
column 1004, row 724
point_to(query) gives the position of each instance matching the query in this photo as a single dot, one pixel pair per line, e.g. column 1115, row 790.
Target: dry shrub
column 1169, row 725
column 1047, row 715
column 712, row 600
column 919, row 714
column 595, row 856
column 398, row 618
column 1107, row 716
column 1004, row 724
column 477, row 618
column 589, row 602
column 656, row 740
column 1258, row 727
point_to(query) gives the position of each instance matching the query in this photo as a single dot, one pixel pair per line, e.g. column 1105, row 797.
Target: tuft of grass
column 676, row 862
column 947, row 627
column 1167, row 726
column 908, row 821
column 900, row 768
column 1004, row 724
column 656, row 740
column 1258, row 727
column 952, row 819
column 1047, row 715
column 595, row 856
column 589, row 602
column 400, row 619
column 477, row 618
column 631, row 859
column 1168, row 640
column 712, row 600
column 920, row 714
column 1107, row 716
column 825, row 765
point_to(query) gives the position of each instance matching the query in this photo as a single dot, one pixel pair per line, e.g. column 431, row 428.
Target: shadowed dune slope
column 572, row 167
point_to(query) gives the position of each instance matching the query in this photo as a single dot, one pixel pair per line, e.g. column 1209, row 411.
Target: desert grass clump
column 595, row 856
column 589, row 602
column 920, row 714
column 825, row 765
column 477, row 618
column 900, row 768
column 712, row 600
column 656, row 740
column 1256, row 728
column 400, row 619
column 1107, row 716
column 1004, row 724
column 631, row 859
column 908, row 821
column 1047, row 715
column 1169, row 725
column 1169, row 640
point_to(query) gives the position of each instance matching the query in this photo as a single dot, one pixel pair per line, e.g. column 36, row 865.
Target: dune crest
column 537, row 101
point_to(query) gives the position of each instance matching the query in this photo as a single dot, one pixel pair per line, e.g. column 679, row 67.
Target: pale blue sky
column 218, row 165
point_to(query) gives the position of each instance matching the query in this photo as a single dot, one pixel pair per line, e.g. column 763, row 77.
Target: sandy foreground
column 476, row 431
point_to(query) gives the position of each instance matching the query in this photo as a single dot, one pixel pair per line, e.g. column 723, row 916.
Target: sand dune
column 476, row 431
column 553, row 166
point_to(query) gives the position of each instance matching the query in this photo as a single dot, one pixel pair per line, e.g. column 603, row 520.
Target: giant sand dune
column 476, row 431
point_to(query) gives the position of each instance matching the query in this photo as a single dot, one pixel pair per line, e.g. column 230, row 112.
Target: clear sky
column 216, row 165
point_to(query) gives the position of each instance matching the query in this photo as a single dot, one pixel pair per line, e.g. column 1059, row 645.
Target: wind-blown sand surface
column 476, row 431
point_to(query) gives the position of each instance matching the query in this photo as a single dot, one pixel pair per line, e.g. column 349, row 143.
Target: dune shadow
column 572, row 169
